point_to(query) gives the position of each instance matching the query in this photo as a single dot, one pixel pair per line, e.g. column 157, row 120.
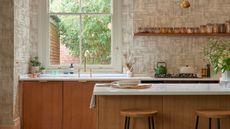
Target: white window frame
column 43, row 37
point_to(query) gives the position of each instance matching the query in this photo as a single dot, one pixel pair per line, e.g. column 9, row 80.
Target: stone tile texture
column 176, row 51
column 14, row 54
column 6, row 60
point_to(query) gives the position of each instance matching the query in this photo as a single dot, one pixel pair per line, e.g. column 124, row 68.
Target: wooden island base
column 175, row 112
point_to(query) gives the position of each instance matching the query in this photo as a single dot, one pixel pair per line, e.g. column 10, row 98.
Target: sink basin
column 85, row 75
column 58, row 75
column 109, row 75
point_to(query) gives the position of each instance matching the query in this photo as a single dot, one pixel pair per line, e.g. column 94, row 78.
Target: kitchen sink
column 83, row 75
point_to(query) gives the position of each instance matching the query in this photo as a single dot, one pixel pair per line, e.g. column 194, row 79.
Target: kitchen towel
column 93, row 97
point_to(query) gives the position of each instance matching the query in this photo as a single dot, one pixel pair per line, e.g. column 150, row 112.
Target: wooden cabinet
column 42, row 105
column 58, row 105
column 76, row 111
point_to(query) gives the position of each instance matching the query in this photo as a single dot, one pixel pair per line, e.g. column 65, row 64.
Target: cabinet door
column 42, row 105
column 76, row 112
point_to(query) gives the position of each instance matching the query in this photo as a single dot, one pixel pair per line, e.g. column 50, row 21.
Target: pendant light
column 184, row 4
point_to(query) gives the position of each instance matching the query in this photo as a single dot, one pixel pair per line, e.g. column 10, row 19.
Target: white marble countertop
column 185, row 79
column 74, row 77
column 165, row 89
column 105, row 77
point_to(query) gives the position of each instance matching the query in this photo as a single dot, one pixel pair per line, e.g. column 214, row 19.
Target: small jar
column 222, row 28
column 183, row 30
column 204, row 72
column 146, row 30
column 215, row 28
column 196, row 30
column 152, row 30
column 163, row 30
column 227, row 25
column 157, row 30
column 190, row 30
column 140, row 29
column 170, row 30
column 209, row 28
column 203, row 29
column 176, row 30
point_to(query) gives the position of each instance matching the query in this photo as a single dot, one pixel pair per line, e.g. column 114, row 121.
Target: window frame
column 44, row 42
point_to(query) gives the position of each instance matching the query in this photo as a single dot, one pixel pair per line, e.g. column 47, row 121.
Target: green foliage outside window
column 96, row 36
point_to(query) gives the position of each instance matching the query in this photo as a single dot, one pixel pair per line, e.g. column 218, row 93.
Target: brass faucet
column 86, row 54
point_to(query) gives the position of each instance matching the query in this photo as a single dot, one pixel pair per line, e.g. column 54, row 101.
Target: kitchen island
column 176, row 104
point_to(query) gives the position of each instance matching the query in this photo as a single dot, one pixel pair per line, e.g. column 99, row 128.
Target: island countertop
column 176, row 104
column 164, row 89
column 112, row 77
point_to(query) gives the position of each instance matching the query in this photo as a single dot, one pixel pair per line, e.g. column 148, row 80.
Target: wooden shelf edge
column 180, row 34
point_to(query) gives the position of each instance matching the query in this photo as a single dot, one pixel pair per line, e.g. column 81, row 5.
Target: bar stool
column 212, row 114
column 138, row 113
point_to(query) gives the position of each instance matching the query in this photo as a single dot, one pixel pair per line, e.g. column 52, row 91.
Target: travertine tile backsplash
column 176, row 51
column 14, row 55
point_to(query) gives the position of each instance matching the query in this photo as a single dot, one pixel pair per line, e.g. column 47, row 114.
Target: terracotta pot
column 34, row 69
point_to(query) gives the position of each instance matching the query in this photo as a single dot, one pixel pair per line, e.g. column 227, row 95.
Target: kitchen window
column 79, row 31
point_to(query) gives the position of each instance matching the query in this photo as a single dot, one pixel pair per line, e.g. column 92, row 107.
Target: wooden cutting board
column 142, row 86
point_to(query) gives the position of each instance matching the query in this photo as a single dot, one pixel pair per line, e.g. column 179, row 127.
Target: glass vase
column 225, row 79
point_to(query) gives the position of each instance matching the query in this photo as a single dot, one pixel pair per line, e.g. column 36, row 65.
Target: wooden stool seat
column 138, row 113
column 149, row 114
column 214, row 113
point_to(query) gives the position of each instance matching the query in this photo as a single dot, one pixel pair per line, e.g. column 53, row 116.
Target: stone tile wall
column 6, row 61
column 14, row 55
column 22, row 45
column 176, row 51
column 34, row 27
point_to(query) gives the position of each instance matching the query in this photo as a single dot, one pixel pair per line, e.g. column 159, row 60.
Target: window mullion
column 81, row 38
column 80, row 47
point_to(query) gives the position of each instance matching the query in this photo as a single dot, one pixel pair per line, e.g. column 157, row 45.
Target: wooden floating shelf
column 180, row 34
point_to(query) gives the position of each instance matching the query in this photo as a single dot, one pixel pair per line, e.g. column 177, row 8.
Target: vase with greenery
column 35, row 65
column 217, row 53
column 43, row 70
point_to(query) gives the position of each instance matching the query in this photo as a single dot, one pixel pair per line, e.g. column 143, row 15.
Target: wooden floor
column 175, row 112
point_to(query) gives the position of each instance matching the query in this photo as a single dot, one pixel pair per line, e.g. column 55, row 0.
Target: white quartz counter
column 96, row 77
column 105, row 77
column 165, row 89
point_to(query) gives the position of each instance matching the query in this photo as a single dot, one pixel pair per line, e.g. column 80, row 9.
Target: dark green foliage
column 35, row 62
column 218, row 54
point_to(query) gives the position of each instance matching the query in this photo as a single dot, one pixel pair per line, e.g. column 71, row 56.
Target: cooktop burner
column 179, row 75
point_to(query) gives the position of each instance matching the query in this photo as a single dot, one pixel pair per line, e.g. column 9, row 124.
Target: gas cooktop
column 178, row 75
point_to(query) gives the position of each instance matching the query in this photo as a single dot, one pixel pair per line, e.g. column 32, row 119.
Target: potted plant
column 35, row 65
column 217, row 53
column 42, row 69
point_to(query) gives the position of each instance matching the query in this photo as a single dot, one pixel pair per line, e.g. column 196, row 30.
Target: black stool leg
column 218, row 123
column 149, row 122
column 197, row 122
column 126, row 118
column 153, row 126
column 128, row 122
column 210, row 123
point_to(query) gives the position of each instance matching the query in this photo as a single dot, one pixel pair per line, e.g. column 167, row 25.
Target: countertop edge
column 166, row 89
column 26, row 78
